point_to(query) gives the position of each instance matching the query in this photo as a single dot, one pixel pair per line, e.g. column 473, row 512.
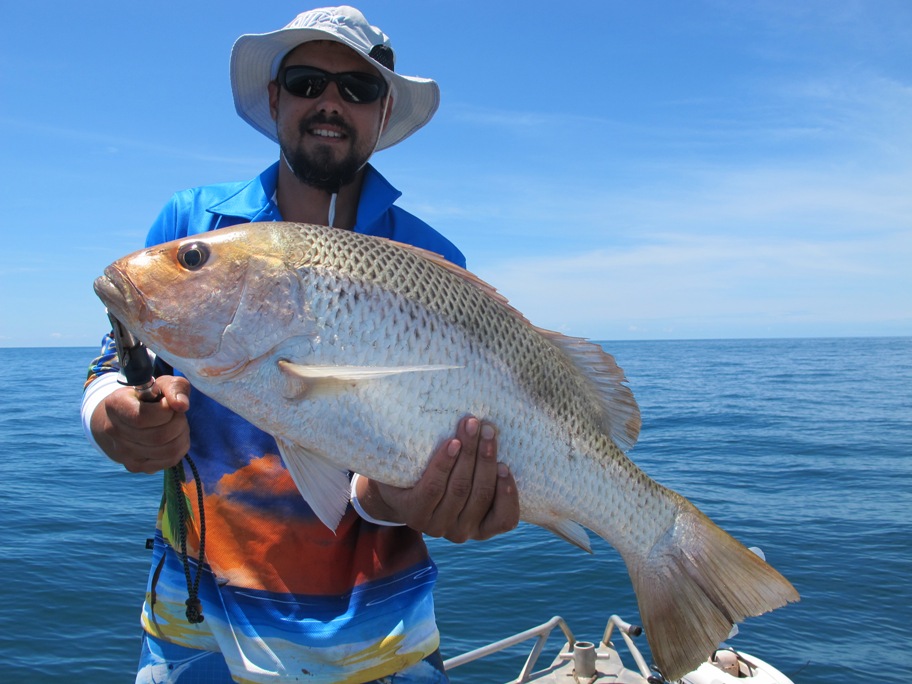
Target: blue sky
column 619, row 170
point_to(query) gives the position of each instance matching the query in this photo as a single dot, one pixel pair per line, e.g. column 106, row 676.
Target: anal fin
column 569, row 531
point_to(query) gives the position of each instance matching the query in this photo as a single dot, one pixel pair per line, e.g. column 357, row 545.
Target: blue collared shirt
column 281, row 593
column 226, row 204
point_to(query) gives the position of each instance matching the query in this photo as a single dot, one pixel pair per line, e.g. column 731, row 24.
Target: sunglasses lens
column 304, row 82
column 357, row 87
column 354, row 86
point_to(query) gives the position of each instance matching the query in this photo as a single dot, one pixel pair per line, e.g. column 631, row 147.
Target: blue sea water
column 800, row 447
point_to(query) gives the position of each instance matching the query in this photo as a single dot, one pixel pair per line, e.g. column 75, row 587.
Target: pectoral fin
column 306, row 380
column 325, row 488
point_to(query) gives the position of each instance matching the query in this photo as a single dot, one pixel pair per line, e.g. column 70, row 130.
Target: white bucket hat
column 255, row 60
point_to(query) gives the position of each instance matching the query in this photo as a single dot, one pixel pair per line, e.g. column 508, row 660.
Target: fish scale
column 361, row 354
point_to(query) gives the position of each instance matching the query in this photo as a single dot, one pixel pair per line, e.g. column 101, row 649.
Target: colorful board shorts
column 162, row 662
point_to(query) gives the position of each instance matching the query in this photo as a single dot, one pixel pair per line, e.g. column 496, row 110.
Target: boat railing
column 541, row 633
column 627, row 631
column 583, row 657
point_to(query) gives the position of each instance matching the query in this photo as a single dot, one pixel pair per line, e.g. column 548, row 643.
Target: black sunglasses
column 354, row 86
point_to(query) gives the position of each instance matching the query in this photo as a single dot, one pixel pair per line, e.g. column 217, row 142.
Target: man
column 282, row 597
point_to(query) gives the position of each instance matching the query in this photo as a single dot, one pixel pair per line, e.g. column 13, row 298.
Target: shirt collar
column 253, row 201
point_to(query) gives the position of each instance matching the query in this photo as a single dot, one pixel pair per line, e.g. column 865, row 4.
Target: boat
column 585, row 662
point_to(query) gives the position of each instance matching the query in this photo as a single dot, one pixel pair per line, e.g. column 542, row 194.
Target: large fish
column 360, row 354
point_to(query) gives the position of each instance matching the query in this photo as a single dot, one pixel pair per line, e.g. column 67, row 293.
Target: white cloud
column 722, row 286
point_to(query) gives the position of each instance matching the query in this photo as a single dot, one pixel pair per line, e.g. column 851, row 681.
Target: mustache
column 321, row 118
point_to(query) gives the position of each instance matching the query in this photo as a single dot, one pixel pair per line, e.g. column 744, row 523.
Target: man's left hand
column 463, row 494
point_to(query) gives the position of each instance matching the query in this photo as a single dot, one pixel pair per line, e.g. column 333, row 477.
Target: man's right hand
column 145, row 437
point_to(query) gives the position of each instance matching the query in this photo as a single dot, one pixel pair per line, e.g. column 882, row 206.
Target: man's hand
column 145, row 437
column 464, row 492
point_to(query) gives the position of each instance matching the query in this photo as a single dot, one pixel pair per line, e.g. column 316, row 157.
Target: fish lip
column 118, row 292
column 104, row 286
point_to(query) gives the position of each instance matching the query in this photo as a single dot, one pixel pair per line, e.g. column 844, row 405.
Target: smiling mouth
column 326, row 134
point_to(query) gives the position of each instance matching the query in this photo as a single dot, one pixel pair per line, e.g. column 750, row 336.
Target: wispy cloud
column 709, row 285
column 115, row 145
column 519, row 122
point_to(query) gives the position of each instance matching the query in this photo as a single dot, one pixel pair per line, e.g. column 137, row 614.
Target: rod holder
column 584, row 658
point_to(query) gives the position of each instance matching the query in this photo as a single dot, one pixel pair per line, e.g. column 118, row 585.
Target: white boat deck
column 578, row 661
column 583, row 662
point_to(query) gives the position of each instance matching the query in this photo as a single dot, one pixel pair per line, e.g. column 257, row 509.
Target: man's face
column 325, row 140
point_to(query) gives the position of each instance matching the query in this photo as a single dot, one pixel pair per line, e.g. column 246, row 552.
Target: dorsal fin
column 620, row 412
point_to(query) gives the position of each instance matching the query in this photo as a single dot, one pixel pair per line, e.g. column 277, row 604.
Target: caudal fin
column 694, row 584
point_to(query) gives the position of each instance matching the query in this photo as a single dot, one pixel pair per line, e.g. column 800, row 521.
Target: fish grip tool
column 136, row 367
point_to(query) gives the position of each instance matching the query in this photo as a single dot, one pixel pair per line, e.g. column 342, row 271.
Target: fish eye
column 193, row 255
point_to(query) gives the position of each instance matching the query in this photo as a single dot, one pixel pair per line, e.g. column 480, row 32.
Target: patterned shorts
column 162, row 662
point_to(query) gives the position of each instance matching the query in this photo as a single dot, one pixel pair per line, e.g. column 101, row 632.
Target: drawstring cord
column 136, row 366
column 194, row 606
column 332, row 209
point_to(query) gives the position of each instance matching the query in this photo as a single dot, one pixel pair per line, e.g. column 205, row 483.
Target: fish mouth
column 120, row 295
column 126, row 303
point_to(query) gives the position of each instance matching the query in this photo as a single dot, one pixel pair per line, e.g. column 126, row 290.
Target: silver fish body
column 361, row 354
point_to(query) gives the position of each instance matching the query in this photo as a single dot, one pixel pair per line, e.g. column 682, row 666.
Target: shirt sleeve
column 105, row 362
column 102, row 379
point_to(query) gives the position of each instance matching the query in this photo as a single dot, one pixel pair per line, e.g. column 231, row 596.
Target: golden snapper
column 360, row 354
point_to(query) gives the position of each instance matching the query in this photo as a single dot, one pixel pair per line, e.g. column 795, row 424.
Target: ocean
column 801, row 447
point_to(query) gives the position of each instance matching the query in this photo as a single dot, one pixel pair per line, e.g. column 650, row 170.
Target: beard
column 318, row 167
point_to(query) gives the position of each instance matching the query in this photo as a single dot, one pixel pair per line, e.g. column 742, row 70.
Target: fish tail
column 694, row 584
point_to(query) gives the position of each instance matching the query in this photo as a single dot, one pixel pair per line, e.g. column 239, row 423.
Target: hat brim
column 255, row 60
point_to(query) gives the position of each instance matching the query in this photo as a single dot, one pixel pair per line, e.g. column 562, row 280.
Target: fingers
column 503, row 515
column 424, row 507
column 144, row 436
column 155, row 449
column 462, row 496
column 465, row 493
column 480, row 453
column 175, row 392
column 492, row 506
